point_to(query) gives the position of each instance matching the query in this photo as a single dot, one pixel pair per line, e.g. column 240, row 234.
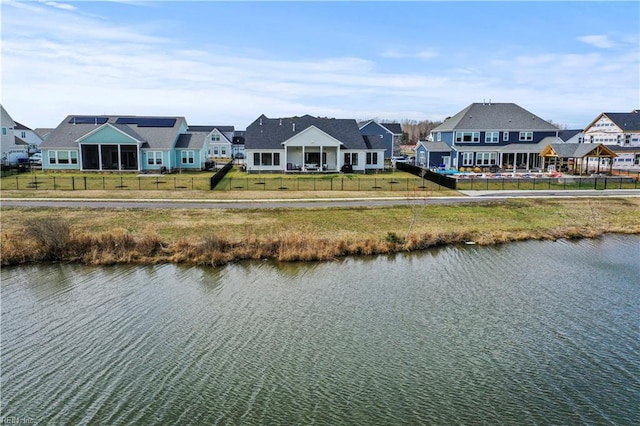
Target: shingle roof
column 394, row 128
column 192, row 140
column 627, row 121
column 375, row 142
column 67, row 133
column 270, row 133
column 565, row 135
column 435, row 146
column 500, row 116
column 209, row 128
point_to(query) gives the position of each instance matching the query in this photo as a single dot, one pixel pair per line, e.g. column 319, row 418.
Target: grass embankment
column 215, row 237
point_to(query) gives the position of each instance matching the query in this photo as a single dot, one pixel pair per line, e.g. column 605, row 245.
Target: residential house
column 237, row 144
column 29, row 136
column 620, row 131
column 310, row 144
column 391, row 134
column 615, row 128
column 433, row 155
column 124, row 143
column 219, row 140
column 14, row 149
column 494, row 134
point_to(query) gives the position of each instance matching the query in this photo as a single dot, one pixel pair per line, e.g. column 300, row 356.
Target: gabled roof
column 499, row 117
column 20, row 126
column 394, row 128
column 156, row 132
column 271, row 133
column 565, row 135
column 192, row 140
column 209, row 128
column 435, row 146
column 627, row 121
column 577, row 150
column 374, row 142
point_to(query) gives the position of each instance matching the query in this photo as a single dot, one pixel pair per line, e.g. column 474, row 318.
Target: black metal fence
column 220, row 174
column 440, row 179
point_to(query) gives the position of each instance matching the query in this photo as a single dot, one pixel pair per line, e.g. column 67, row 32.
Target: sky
column 226, row 63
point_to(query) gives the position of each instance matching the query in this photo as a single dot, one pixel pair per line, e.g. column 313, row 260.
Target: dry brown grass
column 216, row 237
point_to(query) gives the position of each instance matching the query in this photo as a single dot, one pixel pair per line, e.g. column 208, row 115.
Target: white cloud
column 64, row 6
column 599, row 41
column 57, row 63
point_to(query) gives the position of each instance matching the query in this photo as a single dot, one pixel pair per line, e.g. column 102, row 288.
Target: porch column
column 119, row 157
column 303, row 159
column 321, row 162
column 529, row 161
column 99, row 157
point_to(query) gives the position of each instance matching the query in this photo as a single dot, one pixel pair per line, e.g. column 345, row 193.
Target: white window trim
column 495, row 137
column 526, row 136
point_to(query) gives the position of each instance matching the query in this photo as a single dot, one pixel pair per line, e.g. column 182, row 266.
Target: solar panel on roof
column 86, row 119
column 147, row 121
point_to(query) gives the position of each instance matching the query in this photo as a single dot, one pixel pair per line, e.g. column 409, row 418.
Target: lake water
column 525, row 333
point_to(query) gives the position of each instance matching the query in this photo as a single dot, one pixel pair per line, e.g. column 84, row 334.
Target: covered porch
column 312, row 158
column 576, row 158
column 109, row 157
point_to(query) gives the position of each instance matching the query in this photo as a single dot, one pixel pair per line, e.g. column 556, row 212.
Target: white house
column 310, row 144
column 13, row 148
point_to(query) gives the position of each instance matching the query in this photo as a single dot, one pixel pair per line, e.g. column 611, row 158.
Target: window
column 63, row 157
column 351, row 158
column 23, row 135
column 372, row 158
column 505, row 136
column 4, row 131
column 223, row 151
column 215, row 151
column 188, row 157
column 636, row 160
column 526, row 136
column 467, row 158
column 491, row 137
column 154, row 157
column 486, row 158
column 266, row 158
column 215, row 138
column 468, row 137
column 439, row 137
column 422, row 158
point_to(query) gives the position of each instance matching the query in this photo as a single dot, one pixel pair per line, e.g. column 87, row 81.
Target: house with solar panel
column 391, row 134
column 125, row 143
column 310, row 144
column 489, row 135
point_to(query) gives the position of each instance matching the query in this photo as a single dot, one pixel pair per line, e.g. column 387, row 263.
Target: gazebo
column 573, row 155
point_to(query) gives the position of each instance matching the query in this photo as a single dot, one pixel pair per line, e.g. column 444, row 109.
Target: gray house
column 310, row 144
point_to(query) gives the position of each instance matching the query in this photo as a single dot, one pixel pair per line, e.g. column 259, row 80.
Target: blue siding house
column 391, row 134
column 502, row 135
column 124, row 143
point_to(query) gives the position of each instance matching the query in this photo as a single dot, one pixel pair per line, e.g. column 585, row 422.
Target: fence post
column 85, row 183
column 17, row 183
column 73, row 183
column 54, row 183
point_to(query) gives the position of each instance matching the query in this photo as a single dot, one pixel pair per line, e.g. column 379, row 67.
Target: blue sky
column 226, row 63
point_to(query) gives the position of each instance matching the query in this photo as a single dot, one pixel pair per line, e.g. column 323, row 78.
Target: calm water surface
column 526, row 333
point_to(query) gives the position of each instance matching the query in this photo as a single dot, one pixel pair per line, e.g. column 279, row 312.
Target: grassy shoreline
column 216, row 237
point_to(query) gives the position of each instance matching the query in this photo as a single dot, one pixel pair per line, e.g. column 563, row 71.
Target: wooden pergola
column 563, row 154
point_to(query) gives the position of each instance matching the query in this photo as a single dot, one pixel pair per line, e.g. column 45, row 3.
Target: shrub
column 51, row 234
